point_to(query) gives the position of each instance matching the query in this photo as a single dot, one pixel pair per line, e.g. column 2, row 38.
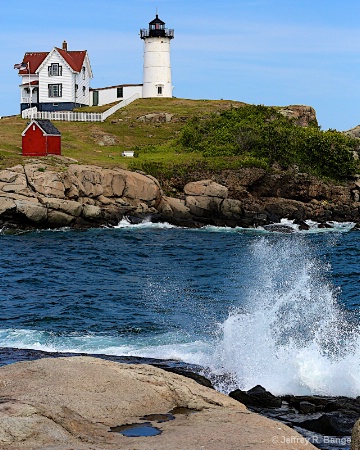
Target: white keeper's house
column 59, row 80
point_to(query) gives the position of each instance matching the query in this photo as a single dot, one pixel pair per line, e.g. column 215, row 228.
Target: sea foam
column 291, row 336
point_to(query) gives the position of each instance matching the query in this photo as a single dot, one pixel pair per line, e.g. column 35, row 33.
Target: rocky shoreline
column 95, row 402
column 325, row 422
column 65, row 194
column 39, row 195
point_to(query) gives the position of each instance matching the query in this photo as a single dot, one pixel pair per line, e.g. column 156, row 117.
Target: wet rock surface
column 326, row 421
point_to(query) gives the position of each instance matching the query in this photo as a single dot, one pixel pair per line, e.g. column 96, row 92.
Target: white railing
column 71, row 116
column 120, row 105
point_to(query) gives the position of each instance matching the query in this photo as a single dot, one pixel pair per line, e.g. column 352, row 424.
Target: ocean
column 247, row 306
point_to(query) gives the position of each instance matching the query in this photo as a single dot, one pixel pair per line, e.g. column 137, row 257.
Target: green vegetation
column 264, row 134
column 84, row 141
column 203, row 135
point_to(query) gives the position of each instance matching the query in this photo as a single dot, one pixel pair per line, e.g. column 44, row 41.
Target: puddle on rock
column 146, row 428
column 136, row 430
column 159, row 418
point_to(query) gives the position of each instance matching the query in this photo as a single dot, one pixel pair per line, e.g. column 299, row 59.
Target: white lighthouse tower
column 157, row 67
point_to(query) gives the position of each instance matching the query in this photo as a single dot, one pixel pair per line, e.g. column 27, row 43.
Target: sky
column 270, row 52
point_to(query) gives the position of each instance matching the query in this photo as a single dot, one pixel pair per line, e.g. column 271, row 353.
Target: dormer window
column 55, row 70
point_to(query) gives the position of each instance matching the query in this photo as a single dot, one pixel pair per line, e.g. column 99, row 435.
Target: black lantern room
column 156, row 29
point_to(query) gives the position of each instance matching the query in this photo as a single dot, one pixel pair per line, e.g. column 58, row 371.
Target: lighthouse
column 157, row 66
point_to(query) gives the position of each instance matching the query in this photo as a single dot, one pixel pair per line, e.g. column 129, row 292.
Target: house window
column 83, row 73
column 55, row 90
column 120, row 92
column 55, row 70
column 76, row 87
column 160, row 90
column 84, row 90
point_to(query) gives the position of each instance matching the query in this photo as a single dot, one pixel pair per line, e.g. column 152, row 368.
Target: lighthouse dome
column 156, row 29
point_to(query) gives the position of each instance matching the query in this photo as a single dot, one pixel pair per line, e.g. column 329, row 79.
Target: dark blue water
column 272, row 309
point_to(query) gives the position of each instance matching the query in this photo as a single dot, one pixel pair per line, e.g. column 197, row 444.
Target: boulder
column 33, row 211
column 355, row 437
column 140, row 187
column 338, row 423
column 231, row 208
column 59, row 219
column 91, row 212
column 280, row 208
column 8, row 176
column 353, row 132
column 85, row 403
column 156, row 118
column 113, row 183
column 117, row 185
column 174, row 208
column 44, row 180
column 105, row 140
column 307, row 407
column 7, row 205
column 257, row 396
column 302, row 114
column 87, row 180
column 206, row 188
column 67, row 206
column 16, row 181
column 204, row 207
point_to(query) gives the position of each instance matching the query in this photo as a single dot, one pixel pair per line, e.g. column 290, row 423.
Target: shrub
column 266, row 135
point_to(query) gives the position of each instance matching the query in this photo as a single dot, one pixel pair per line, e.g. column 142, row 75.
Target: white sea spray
column 291, row 336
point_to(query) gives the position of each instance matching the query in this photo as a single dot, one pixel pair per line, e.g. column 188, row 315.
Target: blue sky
column 271, row 52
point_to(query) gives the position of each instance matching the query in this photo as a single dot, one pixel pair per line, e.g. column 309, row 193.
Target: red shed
column 41, row 138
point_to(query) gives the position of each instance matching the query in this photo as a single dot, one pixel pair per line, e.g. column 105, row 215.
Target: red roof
column 75, row 59
column 35, row 59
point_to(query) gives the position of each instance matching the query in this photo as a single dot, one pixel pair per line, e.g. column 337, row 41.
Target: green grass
column 80, row 140
column 224, row 135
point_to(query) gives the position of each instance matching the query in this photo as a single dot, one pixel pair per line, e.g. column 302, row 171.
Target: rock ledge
column 74, row 402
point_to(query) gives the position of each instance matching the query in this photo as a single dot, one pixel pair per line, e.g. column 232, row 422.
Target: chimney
column 64, row 46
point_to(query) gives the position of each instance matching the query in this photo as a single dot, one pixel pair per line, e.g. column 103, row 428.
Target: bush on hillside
column 262, row 132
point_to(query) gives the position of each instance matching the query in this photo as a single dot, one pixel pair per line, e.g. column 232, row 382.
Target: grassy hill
column 101, row 143
column 202, row 136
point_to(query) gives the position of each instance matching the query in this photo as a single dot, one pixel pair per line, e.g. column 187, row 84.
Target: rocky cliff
column 43, row 196
column 77, row 195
